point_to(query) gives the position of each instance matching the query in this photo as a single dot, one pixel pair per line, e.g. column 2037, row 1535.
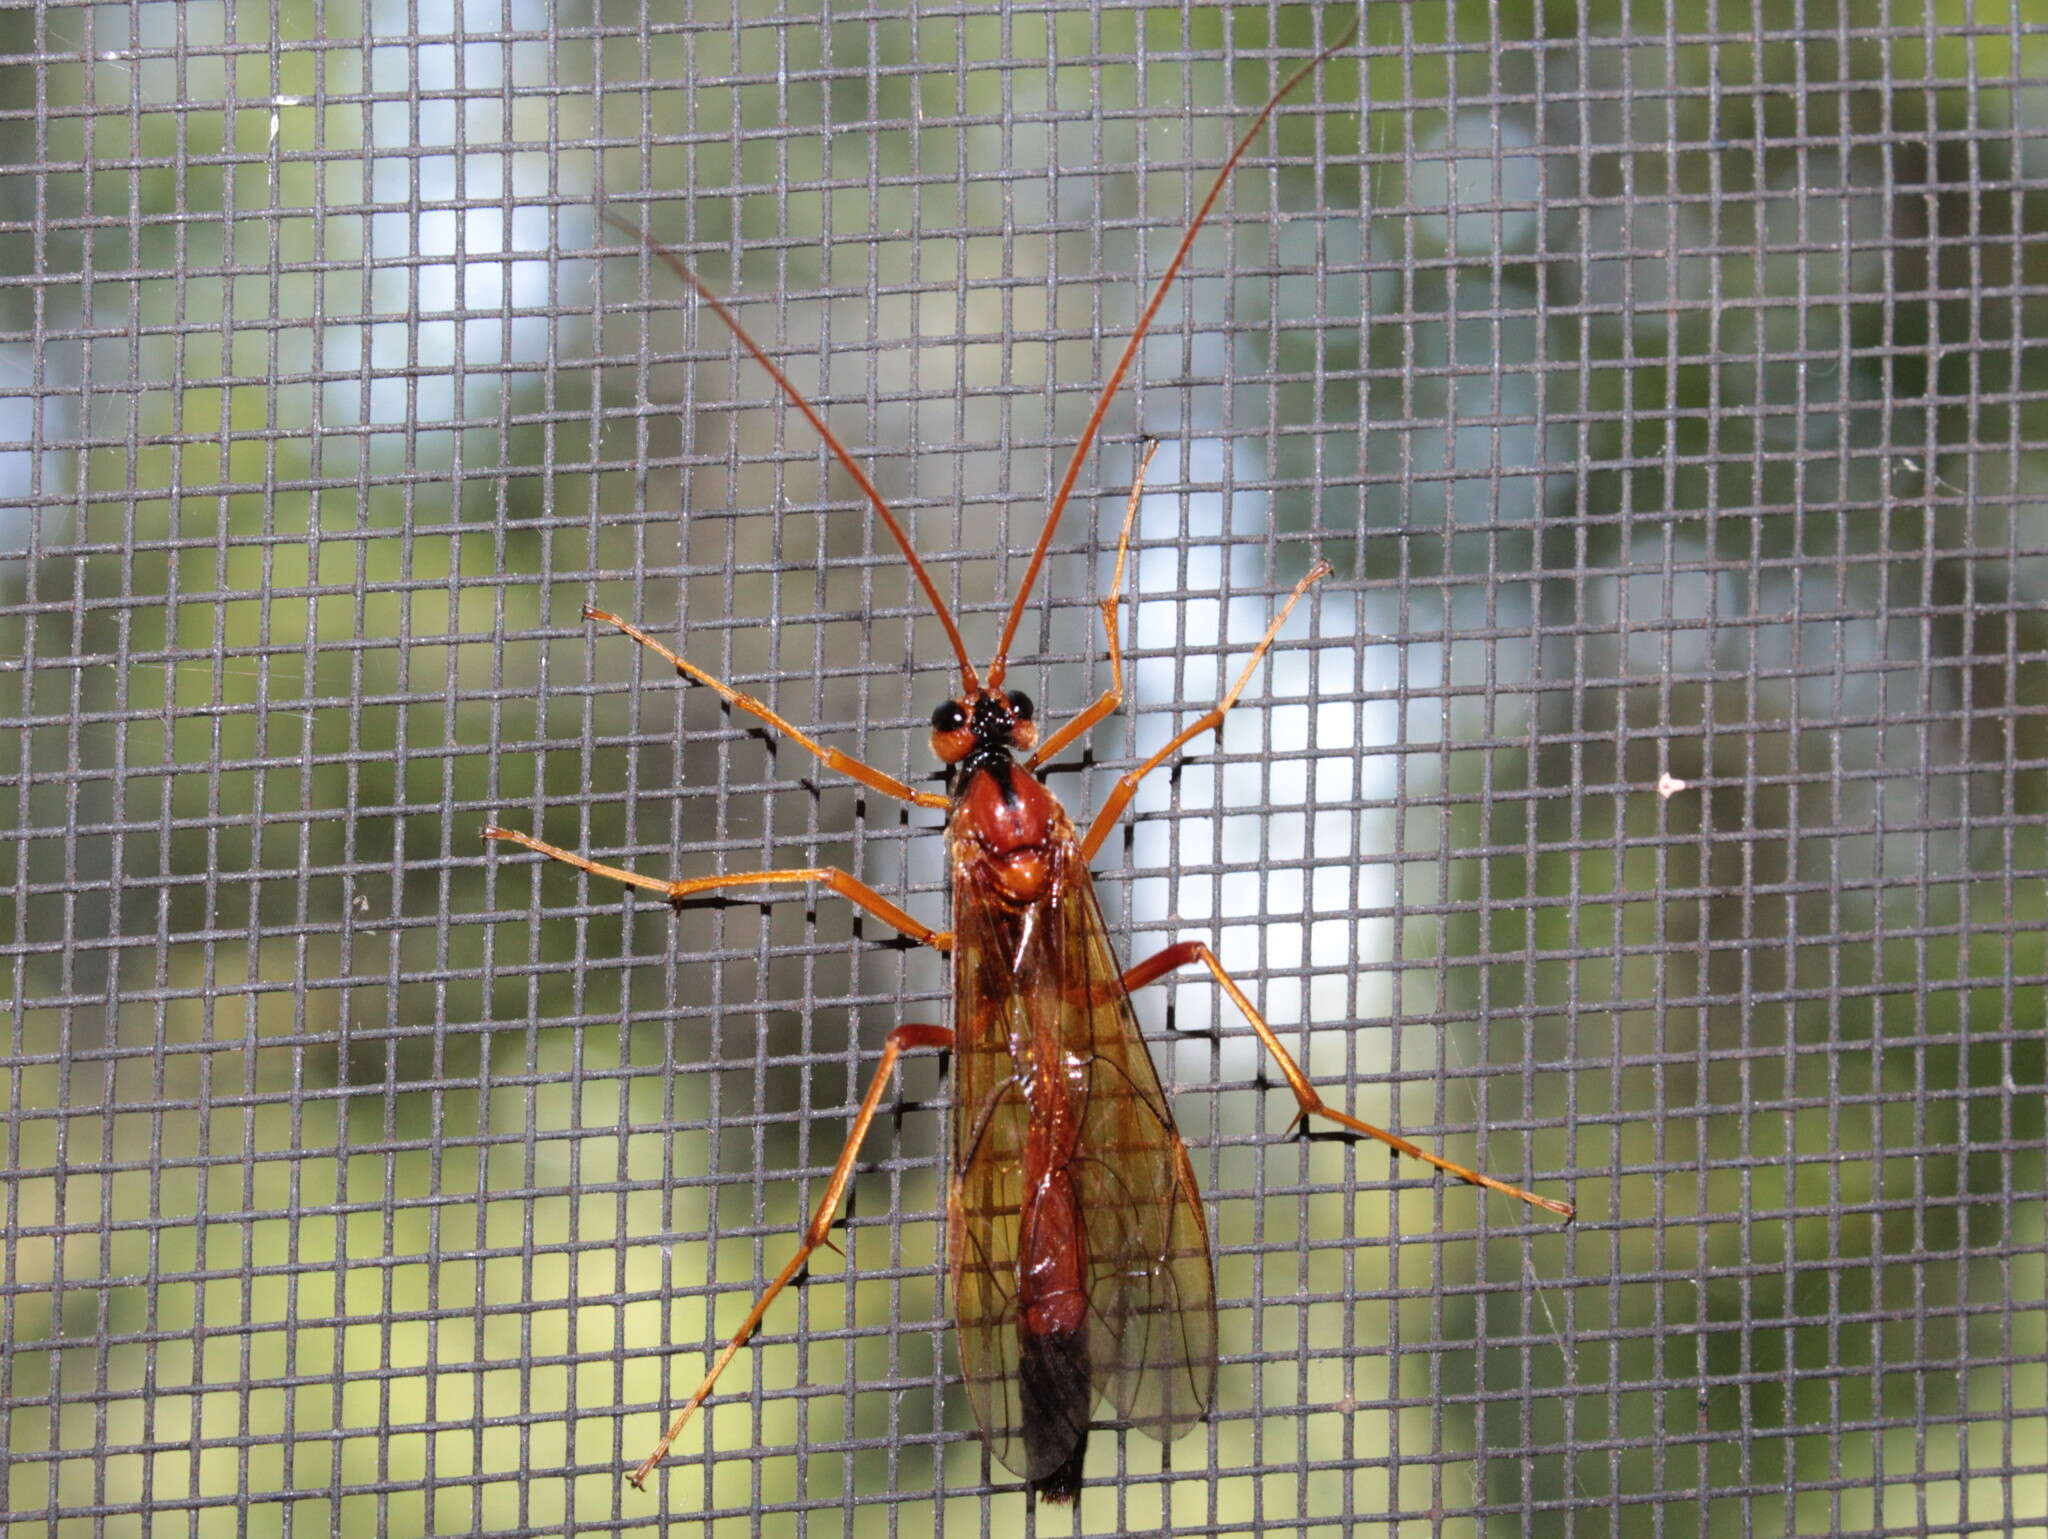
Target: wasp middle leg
column 848, row 887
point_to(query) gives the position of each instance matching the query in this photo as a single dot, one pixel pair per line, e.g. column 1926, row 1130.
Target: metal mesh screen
column 1650, row 809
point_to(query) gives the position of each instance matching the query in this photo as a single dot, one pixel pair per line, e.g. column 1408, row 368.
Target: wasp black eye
column 1020, row 705
column 949, row 716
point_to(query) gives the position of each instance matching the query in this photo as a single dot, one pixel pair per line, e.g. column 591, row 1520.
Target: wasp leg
column 831, row 758
column 902, row 1040
column 1112, row 697
column 1127, row 785
column 1178, row 956
column 847, row 887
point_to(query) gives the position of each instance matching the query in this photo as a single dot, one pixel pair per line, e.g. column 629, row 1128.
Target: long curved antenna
column 704, row 291
column 1110, row 386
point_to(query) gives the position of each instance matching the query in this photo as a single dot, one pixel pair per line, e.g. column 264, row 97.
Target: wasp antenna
column 1000, row 665
column 840, row 452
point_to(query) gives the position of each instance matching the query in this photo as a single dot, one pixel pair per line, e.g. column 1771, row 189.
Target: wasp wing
column 1152, row 1294
column 1052, row 1083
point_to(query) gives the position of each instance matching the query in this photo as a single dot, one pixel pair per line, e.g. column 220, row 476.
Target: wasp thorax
column 992, row 721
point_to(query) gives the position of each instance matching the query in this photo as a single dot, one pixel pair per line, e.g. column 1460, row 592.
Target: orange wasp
column 1078, row 1249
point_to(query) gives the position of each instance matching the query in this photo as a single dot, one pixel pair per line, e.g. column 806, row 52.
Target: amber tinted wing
column 991, row 1124
column 1025, row 979
column 1151, row 1291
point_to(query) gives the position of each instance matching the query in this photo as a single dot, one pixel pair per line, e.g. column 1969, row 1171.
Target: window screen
column 1649, row 809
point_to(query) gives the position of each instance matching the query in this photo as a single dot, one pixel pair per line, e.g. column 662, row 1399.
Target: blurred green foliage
column 1662, row 380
